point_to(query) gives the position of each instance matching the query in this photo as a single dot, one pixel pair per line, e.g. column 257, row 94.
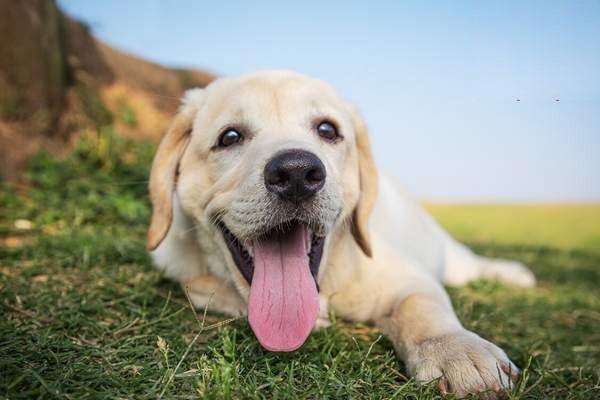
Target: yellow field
column 566, row 226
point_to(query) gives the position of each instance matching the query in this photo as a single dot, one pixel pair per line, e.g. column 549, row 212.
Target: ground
column 84, row 314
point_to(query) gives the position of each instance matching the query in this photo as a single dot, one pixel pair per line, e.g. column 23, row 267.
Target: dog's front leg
column 435, row 347
column 208, row 291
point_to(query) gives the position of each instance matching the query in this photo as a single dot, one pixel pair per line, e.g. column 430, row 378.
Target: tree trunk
column 33, row 65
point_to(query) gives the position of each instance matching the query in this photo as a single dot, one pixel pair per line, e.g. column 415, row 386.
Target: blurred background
column 468, row 103
column 465, row 100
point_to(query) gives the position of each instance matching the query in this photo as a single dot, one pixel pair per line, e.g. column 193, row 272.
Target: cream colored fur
column 399, row 288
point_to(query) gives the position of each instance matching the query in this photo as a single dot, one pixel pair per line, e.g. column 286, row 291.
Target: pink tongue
column 284, row 303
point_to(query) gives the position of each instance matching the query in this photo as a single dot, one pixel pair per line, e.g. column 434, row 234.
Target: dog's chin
column 243, row 250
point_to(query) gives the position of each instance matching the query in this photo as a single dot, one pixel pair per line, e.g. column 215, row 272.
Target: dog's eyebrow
column 317, row 113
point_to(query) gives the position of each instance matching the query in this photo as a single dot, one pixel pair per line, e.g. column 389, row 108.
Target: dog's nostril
column 315, row 175
column 294, row 175
column 276, row 177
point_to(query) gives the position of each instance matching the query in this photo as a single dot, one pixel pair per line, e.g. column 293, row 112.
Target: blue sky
column 436, row 81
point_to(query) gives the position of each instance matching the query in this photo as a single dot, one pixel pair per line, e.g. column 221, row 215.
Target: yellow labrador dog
column 267, row 202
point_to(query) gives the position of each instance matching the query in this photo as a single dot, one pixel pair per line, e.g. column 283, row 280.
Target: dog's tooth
column 246, row 246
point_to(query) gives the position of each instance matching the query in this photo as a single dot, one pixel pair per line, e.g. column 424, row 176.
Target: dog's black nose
column 295, row 175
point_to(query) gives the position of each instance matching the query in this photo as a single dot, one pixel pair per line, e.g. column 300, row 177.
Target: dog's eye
column 328, row 131
column 229, row 137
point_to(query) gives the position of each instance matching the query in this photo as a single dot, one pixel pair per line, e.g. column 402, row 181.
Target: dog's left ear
column 368, row 187
column 163, row 175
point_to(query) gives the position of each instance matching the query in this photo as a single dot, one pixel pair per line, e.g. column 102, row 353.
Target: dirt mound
column 57, row 80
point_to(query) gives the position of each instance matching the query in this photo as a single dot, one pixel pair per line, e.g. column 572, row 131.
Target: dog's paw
column 463, row 363
column 321, row 323
column 323, row 319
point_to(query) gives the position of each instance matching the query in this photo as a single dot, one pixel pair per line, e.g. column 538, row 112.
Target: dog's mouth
column 281, row 267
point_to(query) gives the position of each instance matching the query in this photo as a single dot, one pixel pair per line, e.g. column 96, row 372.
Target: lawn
column 84, row 314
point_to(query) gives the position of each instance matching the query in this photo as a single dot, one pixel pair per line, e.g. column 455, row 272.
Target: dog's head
column 268, row 165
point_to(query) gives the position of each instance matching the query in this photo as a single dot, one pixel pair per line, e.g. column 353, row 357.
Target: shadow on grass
column 576, row 267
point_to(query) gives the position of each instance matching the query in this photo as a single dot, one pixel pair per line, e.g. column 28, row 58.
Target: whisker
column 193, row 228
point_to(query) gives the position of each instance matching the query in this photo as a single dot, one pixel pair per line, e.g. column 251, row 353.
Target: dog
column 267, row 202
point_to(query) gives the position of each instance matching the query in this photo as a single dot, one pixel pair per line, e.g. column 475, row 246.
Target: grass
column 85, row 315
column 564, row 226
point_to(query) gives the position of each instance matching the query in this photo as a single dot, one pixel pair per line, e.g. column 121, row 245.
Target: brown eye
column 328, row 131
column 230, row 137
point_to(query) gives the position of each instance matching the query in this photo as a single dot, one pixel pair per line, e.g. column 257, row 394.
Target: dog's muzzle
column 280, row 260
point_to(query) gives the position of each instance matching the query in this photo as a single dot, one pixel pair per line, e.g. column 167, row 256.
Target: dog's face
column 268, row 165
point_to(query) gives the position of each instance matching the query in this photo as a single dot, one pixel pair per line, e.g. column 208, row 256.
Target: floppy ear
column 368, row 187
column 163, row 175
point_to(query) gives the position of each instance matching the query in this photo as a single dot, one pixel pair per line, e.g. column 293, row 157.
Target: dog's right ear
column 164, row 171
